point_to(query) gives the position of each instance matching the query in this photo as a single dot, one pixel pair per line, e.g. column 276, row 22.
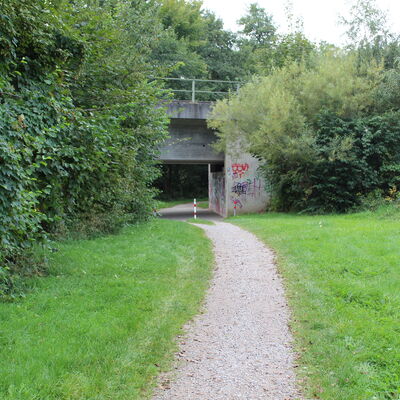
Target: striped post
column 234, row 208
column 194, row 209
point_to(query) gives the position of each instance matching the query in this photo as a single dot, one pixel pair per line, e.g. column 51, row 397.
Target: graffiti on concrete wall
column 239, row 170
column 246, row 187
column 240, row 186
column 249, row 187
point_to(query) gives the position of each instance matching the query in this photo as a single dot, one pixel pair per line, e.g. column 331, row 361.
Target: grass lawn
column 343, row 282
column 102, row 324
column 200, row 221
column 171, row 203
column 203, row 204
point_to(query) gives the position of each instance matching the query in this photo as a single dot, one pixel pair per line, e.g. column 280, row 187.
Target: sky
column 320, row 16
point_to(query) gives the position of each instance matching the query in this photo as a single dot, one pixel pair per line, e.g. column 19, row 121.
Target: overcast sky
column 320, row 16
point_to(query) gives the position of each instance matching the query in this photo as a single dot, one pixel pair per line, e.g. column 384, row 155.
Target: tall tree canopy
column 318, row 128
column 258, row 27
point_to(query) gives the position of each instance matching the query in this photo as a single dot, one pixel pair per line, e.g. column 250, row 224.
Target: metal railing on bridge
column 201, row 89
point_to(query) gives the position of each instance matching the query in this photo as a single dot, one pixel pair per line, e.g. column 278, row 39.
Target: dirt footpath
column 240, row 346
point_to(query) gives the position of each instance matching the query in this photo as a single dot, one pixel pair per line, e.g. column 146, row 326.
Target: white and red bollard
column 234, row 207
column 194, row 209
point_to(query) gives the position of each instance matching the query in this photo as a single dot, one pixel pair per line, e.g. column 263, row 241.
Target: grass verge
column 343, row 282
column 171, row 203
column 200, row 221
column 203, row 204
column 103, row 324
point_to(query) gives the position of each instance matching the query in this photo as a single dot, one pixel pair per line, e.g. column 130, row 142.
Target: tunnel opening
column 183, row 182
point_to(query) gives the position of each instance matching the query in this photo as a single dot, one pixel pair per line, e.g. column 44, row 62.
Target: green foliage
column 369, row 35
column 285, row 50
column 263, row 49
column 176, row 57
column 369, row 164
column 387, row 96
column 184, row 17
column 194, row 44
column 184, row 31
column 321, row 152
column 219, row 50
column 79, row 124
column 258, row 27
column 366, row 24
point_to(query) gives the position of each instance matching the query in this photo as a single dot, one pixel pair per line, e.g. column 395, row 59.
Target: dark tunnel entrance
column 183, row 182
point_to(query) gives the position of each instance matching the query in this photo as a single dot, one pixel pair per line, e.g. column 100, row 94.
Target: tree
column 185, row 18
column 195, row 45
column 370, row 38
column 263, row 49
column 369, row 35
column 258, row 27
column 366, row 23
column 219, row 51
column 287, row 49
column 281, row 118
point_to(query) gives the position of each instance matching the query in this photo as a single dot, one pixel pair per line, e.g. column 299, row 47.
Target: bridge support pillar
column 238, row 183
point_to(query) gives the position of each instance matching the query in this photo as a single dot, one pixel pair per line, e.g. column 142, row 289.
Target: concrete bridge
column 190, row 139
column 233, row 180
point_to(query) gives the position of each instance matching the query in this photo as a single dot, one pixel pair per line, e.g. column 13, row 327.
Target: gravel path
column 240, row 346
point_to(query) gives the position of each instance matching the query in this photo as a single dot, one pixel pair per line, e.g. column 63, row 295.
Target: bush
column 323, row 149
column 79, row 131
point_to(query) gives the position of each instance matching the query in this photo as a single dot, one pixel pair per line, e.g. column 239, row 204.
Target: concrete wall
column 217, row 192
column 190, row 142
column 188, row 110
column 244, row 185
column 240, row 182
column 190, row 139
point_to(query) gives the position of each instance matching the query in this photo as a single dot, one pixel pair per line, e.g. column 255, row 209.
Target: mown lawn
column 343, row 282
column 202, row 203
column 200, row 221
column 102, row 324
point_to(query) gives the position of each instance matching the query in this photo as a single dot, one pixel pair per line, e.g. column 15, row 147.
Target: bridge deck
column 190, row 139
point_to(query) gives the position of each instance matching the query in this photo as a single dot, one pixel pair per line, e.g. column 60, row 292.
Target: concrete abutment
column 234, row 177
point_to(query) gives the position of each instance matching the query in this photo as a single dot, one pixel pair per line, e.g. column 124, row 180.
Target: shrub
column 79, row 131
column 322, row 150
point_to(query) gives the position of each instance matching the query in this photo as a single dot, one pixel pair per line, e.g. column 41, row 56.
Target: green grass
column 102, row 324
column 203, row 204
column 343, row 282
column 172, row 203
column 200, row 221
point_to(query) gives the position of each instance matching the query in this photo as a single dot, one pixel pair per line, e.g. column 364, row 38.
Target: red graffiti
column 238, row 170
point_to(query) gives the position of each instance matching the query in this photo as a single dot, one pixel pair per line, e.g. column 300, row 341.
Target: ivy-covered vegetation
column 326, row 124
column 78, row 125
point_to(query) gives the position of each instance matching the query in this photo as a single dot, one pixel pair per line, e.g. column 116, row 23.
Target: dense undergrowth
column 342, row 278
column 325, row 128
column 79, row 126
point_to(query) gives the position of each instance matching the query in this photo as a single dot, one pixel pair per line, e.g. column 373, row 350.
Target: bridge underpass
column 233, row 180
